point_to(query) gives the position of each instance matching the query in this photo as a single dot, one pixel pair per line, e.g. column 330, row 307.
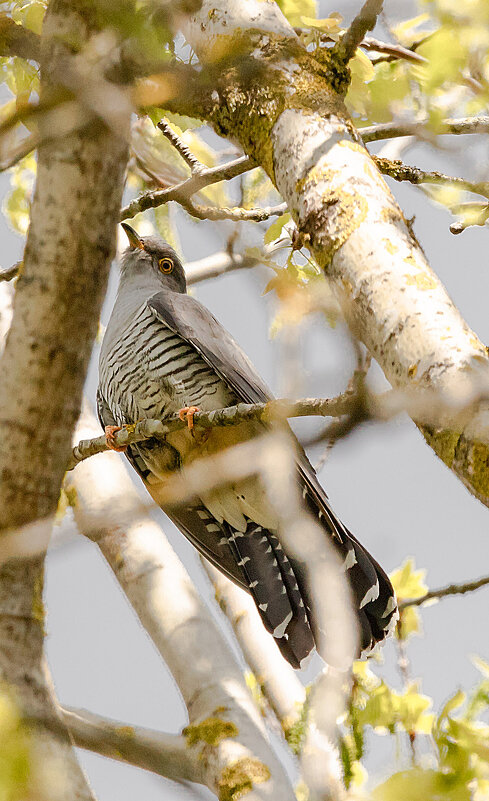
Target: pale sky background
column 384, row 482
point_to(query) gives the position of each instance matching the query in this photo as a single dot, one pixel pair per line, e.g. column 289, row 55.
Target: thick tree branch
column 168, row 755
column 277, row 680
column 226, row 732
column 67, row 258
column 365, row 21
column 307, row 143
column 444, row 592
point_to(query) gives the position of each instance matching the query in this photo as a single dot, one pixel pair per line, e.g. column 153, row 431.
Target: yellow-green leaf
column 408, row 582
column 295, row 9
column 420, row 785
column 329, row 25
column 275, row 230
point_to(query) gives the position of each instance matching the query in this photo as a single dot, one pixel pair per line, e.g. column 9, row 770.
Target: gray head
column 152, row 259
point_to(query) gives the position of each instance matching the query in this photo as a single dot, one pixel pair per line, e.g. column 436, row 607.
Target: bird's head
column 153, row 258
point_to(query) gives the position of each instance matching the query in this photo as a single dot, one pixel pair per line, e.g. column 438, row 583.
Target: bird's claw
column 187, row 413
column 109, row 439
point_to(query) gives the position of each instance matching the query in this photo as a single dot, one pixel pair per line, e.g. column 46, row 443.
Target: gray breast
column 149, row 371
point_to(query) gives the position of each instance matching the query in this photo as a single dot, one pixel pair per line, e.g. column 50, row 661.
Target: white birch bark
column 292, row 121
column 22, row 666
column 56, row 309
column 109, row 511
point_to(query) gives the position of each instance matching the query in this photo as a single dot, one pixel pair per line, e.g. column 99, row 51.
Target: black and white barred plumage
column 162, row 351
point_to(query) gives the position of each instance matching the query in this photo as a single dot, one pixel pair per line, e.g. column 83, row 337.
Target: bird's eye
column 165, row 265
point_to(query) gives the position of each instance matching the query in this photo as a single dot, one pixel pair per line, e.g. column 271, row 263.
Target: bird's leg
column 109, row 439
column 187, row 413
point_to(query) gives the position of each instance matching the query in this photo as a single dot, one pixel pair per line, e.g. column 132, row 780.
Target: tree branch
column 235, row 214
column 168, row 755
column 444, row 592
column 389, row 130
column 195, row 165
column 184, row 190
column 232, row 415
column 216, row 265
column 402, row 172
column 355, row 229
column 365, row 21
column 15, row 40
column 394, row 50
column 67, row 258
column 278, row 682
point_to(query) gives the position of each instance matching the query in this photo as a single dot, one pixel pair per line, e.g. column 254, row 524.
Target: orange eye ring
column 165, row 265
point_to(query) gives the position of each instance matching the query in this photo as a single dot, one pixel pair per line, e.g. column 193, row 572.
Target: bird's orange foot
column 109, row 439
column 187, row 413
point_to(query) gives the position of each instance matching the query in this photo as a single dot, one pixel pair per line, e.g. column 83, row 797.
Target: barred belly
column 153, row 372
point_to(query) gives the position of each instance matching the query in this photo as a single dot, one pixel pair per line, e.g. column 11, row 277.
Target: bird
column 164, row 353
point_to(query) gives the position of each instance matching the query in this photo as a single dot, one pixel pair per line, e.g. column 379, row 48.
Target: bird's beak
column 135, row 240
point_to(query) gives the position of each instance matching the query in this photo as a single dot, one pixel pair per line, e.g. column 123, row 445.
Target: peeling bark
column 286, row 109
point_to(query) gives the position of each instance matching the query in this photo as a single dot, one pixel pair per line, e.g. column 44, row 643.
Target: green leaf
column 275, row 230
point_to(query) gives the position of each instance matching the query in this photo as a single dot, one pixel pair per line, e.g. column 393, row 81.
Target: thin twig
column 402, row 172
column 184, row 190
column 193, row 162
column 9, row 273
column 235, row 214
column 365, row 21
column 443, row 592
column 405, row 671
column 394, row 50
column 390, row 130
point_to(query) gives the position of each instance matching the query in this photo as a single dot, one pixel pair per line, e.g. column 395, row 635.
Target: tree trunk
column 56, row 310
column 286, row 109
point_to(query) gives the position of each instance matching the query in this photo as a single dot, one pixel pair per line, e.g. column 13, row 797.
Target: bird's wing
column 185, row 316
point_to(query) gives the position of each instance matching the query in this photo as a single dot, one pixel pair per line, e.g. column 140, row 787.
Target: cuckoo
column 164, row 353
